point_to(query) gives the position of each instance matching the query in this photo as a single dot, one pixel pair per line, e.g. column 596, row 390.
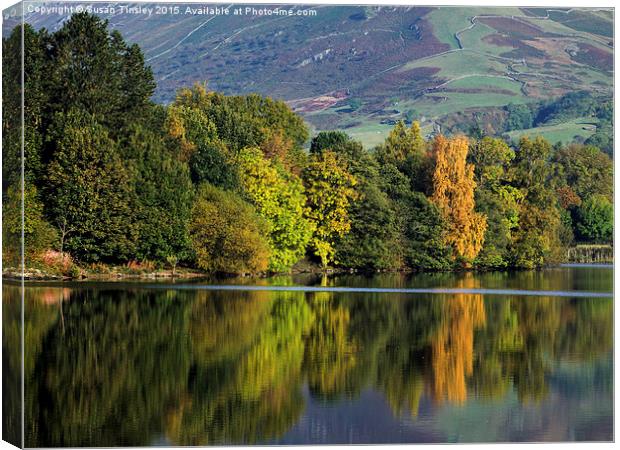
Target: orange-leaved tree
column 453, row 193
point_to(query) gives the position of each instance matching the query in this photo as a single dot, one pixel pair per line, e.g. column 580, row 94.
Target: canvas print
column 306, row 224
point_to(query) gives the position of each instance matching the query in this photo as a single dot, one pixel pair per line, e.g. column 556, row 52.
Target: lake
column 388, row 358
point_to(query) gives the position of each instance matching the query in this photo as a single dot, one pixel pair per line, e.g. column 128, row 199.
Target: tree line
column 573, row 105
column 227, row 184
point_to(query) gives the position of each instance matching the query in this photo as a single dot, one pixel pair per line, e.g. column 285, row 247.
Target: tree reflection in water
column 195, row 367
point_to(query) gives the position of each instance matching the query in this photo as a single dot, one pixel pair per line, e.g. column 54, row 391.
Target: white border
column 522, row 3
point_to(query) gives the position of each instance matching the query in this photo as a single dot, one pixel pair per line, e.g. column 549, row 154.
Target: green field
column 448, row 20
column 371, row 134
column 563, row 132
column 458, row 63
column 490, row 83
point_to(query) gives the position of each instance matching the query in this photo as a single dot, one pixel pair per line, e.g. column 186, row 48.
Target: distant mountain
column 361, row 68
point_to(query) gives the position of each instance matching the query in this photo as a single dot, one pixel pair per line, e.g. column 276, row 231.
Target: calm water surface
column 110, row 364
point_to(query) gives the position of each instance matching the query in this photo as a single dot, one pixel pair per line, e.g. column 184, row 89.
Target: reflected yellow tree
column 330, row 350
column 452, row 346
column 246, row 375
column 230, row 367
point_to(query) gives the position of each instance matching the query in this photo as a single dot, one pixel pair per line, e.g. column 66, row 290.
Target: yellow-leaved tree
column 403, row 142
column 453, row 193
column 330, row 190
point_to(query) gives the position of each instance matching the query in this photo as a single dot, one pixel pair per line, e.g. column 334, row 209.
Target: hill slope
column 362, row 68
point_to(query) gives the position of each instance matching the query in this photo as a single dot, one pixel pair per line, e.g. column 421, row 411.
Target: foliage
column 328, row 140
column 372, row 240
column 402, row 143
column 420, row 240
column 35, row 101
column 595, row 219
column 495, row 198
column 245, row 121
column 453, row 193
column 519, row 117
column 95, row 71
column 163, row 197
column 89, row 193
column 39, row 235
column 569, row 106
column 278, row 197
column 538, row 239
column 586, row 170
column 329, row 192
column 114, row 178
column 226, row 233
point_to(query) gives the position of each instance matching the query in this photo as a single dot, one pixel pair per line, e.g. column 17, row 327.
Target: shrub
column 226, row 233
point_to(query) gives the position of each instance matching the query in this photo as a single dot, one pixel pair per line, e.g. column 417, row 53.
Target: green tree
column 372, row 240
column 163, row 196
column 96, row 72
column 279, row 198
column 495, row 198
column 329, row 192
column 226, row 233
column 519, row 117
column 35, row 101
column 329, row 140
column 402, row 142
column 245, row 121
column 537, row 240
column 595, row 219
column 39, row 235
column 421, row 240
column 586, row 170
column 89, row 193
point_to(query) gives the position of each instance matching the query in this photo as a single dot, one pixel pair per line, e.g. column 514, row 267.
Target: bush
column 226, row 233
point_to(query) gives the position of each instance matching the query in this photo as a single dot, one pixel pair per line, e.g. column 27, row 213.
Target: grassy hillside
column 360, row 68
column 562, row 132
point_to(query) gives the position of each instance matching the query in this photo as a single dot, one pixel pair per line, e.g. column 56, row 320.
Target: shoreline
column 38, row 275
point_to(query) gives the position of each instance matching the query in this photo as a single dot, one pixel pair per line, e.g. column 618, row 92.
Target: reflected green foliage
column 109, row 366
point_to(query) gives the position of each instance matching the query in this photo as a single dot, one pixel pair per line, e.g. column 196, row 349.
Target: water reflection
column 131, row 366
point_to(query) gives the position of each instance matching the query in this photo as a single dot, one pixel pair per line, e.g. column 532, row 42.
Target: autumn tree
column 279, row 198
column 403, row 142
column 453, row 193
column 226, row 233
column 329, row 192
